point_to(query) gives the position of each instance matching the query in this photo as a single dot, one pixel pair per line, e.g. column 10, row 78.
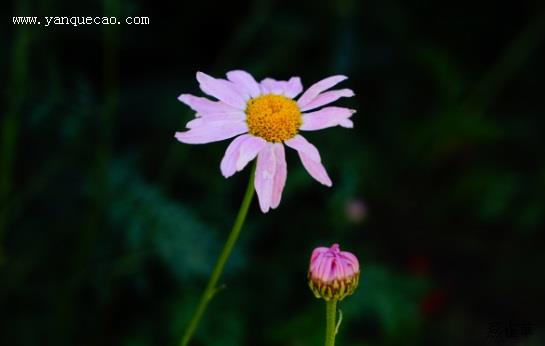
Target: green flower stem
column 212, row 288
column 330, row 330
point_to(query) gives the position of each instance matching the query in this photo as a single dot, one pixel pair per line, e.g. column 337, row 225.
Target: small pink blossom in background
column 332, row 273
column 264, row 117
column 355, row 210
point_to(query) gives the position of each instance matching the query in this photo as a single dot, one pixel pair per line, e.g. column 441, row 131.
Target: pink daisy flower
column 265, row 116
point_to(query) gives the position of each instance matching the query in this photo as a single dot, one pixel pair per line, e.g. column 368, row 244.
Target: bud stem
column 330, row 331
column 211, row 288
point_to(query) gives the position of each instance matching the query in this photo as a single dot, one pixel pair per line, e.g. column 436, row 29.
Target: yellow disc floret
column 274, row 118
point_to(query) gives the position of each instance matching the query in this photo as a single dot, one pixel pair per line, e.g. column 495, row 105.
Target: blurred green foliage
column 109, row 227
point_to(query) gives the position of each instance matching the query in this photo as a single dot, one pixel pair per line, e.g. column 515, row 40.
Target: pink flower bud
column 355, row 210
column 333, row 274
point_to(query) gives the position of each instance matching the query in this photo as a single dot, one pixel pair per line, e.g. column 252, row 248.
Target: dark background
column 109, row 227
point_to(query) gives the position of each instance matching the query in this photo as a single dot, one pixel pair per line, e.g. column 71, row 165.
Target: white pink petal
column 318, row 88
column 242, row 150
column 207, row 133
column 293, row 87
column 327, row 117
column 245, row 83
column 270, row 176
column 249, row 150
column 280, row 176
column 228, row 163
column 202, row 105
column 221, row 89
column 310, row 157
column 215, row 120
column 326, row 98
column 271, row 86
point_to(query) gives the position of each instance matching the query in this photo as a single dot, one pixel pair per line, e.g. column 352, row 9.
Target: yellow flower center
column 274, row 118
